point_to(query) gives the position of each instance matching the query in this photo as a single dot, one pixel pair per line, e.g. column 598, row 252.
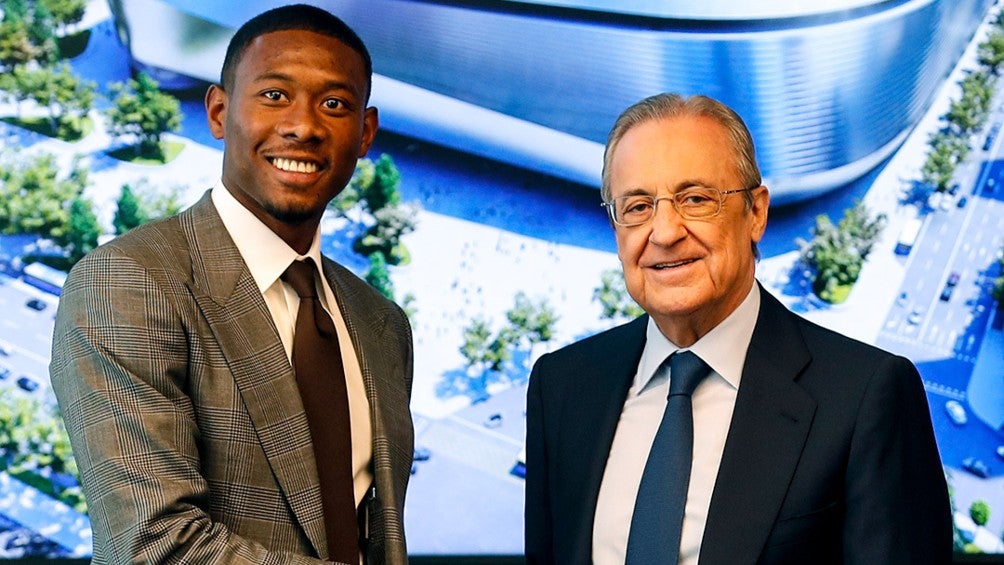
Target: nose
column 301, row 122
column 667, row 226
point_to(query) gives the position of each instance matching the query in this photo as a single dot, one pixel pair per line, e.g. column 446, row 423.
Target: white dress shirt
column 267, row 256
column 724, row 350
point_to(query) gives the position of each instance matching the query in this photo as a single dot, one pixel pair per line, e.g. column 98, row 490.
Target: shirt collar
column 264, row 252
column 723, row 348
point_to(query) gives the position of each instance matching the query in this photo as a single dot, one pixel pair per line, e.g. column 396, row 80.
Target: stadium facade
column 829, row 91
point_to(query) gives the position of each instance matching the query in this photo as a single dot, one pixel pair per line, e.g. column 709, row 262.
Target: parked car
column 493, row 421
column 946, row 202
column 4, row 350
column 35, row 304
column 956, row 413
column 27, row 384
column 915, row 315
column 946, row 293
column 519, row 468
column 962, row 202
column 422, row 454
column 954, row 189
column 4, row 373
column 976, row 467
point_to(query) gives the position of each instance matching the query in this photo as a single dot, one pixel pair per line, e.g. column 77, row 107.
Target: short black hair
column 299, row 17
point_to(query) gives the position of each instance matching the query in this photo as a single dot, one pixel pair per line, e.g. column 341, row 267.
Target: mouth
column 672, row 265
column 292, row 165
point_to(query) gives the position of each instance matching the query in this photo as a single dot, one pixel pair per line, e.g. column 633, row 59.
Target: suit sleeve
column 537, row 509
column 120, row 373
column 897, row 506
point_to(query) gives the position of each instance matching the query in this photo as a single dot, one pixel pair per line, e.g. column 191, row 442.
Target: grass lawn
column 42, row 125
column 74, row 500
column 130, row 154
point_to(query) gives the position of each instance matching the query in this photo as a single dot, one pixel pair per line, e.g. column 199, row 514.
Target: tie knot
column 300, row 276
column 686, row 372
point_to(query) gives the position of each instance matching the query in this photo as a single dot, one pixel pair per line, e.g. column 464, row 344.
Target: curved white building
column 829, row 90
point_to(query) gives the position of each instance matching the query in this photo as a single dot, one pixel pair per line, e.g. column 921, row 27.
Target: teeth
column 292, row 166
column 668, row 265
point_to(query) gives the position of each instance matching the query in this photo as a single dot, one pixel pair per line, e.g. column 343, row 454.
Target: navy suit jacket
column 830, row 456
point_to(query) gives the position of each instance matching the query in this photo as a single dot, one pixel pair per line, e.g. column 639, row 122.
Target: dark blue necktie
column 662, row 495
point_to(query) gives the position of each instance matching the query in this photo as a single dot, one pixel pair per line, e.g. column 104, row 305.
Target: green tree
column 970, row 111
column 15, row 44
column 351, row 195
column 161, row 204
column 33, row 439
column 392, row 223
column 484, row 352
column 83, row 231
column 384, row 189
column 33, row 196
column 19, row 85
column 991, row 51
column 141, row 111
column 67, row 98
column 979, row 511
column 129, row 211
column 65, row 13
column 613, row 296
column 42, row 32
column 946, row 151
column 531, row 322
column 837, row 253
column 379, row 277
column 15, row 10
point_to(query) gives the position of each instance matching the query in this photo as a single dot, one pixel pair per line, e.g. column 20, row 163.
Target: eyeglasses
column 694, row 203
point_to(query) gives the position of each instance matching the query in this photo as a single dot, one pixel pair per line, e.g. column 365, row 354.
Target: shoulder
column 836, row 363
column 777, row 327
column 360, row 298
column 626, row 340
column 156, row 246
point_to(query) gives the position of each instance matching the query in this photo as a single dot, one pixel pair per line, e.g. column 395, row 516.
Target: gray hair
column 670, row 105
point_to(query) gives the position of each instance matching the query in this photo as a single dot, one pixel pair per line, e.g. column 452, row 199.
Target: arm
column 537, row 512
column 897, row 507
column 120, row 370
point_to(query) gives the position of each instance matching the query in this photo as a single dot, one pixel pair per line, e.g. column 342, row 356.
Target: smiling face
column 689, row 275
column 294, row 123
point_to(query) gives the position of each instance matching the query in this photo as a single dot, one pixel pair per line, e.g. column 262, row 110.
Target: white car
column 956, row 413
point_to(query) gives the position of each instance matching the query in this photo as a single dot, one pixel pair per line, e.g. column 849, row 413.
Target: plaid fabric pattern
column 183, row 412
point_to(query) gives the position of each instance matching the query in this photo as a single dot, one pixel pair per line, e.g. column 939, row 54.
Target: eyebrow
column 682, row 185
column 283, row 77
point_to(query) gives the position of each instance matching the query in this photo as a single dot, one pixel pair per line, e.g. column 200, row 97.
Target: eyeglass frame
column 676, row 206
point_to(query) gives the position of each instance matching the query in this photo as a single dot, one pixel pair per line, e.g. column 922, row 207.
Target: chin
column 292, row 214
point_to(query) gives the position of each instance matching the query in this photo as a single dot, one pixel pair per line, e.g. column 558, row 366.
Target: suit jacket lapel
column 769, row 426
column 595, row 405
column 242, row 325
column 382, row 374
column 383, row 378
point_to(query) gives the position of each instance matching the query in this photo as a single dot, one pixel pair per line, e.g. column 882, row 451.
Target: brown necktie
column 317, row 363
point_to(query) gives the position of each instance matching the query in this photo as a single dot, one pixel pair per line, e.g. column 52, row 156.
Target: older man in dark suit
column 177, row 357
column 720, row 428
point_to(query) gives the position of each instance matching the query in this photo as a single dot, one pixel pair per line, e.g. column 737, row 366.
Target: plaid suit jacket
column 183, row 412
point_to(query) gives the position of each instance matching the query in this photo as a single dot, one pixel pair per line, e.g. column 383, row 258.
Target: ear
column 758, row 210
column 216, row 110
column 371, row 121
